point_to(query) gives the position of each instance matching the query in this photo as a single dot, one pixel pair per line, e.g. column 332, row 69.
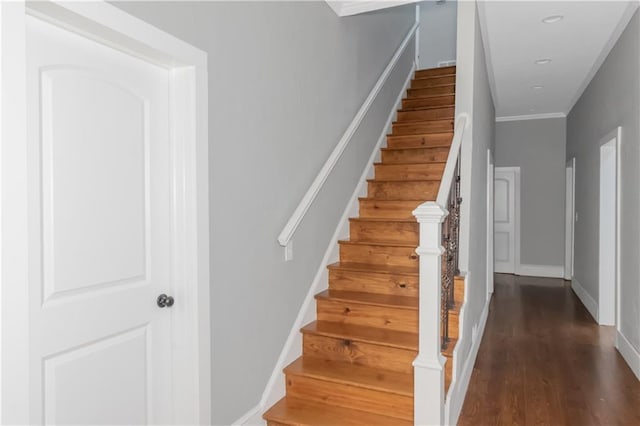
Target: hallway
column 543, row 360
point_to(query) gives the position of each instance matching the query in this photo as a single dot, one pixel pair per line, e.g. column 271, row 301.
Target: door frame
column 516, row 214
column 188, row 91
column 570, row 214
column 490, row 207
column 609, row 145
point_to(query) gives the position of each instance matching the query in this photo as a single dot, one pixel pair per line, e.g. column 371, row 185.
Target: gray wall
column 612, row 99
column 285, row 80
column 538, row 148
column 437, row 32
column 473, row 96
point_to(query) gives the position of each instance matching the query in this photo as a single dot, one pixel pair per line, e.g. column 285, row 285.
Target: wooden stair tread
column 402, row 302
column 406, row 180
column 376, row 243
column 412, row 147
column 450, row 347
column 440, row 133
column 429, row 107
column 376, row 336
column 431, row 121
column 382, row 220
column 373, row 268
column 408, row 164
column 297, row 412
column 430, row 77
column 352, row 374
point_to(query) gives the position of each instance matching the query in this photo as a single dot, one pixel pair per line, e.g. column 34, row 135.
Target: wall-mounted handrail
column 296, row 218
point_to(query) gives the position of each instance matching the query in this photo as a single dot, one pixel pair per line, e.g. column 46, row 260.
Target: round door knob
column 165, row 301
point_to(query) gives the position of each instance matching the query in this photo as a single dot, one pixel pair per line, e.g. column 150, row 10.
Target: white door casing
column 569, row 218
column 506, row 219
column 81, row 260
column 490, row 225
column 608, row 229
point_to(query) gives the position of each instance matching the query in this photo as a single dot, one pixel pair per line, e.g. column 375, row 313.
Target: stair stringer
column 292, row 349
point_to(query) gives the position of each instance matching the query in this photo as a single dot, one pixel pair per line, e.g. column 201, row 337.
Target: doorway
column 506, row 219
column 608, row 229
column 570, row 213
column 105, row 219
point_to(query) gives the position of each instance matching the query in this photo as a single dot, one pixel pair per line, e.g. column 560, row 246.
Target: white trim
column 613, row 39
column 417, row 38
column 570, row 202
column 251, row 417
column 460, row 384
column 549, row 271
column 292, row 348
column 531, row 117
column 296, row 218
column 607, row 314
column 490, row 222
column 586, row 299
column 349, row 8
column 190, row 213
column 629, row 353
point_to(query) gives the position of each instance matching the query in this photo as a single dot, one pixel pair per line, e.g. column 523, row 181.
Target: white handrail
column 296, row 218
column 450, row 167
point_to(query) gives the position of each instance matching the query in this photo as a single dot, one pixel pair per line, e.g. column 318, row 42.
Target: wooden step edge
column 375, row 243
column 357, row 375
column 430, row 97
column 425, row 121
column 451, row 345
column 416, row 147
column 396, row 200
column 404, row 180
column 409, row 164
column 439, row 133
column 359, row 333
column 428, row 108
column 429, row 87
column 382, row 219
column 366, row 267
column 429, row 77
column 359, row 298
column 297, row 412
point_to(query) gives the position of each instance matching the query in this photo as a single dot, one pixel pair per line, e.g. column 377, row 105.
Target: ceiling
column 515, row 38
column 348, row 8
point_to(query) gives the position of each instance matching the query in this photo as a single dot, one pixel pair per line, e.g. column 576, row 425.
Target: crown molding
column 531, row 117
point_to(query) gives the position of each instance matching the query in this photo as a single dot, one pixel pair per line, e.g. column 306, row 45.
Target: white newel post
column 429, row 364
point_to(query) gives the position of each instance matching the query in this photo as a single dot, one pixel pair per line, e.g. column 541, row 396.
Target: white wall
column 538, row 148
column 285, row 80
column 473, row 97
column 437, row 32
column 611, row 99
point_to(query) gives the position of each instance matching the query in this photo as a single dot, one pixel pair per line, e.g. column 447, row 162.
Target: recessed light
column 537, row 87
column 552, row 19
column 543, row 61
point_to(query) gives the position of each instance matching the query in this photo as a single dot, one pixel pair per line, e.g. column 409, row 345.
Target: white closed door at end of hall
column 505, row 219
column 99, row 228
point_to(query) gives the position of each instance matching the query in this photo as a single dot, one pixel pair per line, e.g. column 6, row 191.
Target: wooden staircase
column 356, row 367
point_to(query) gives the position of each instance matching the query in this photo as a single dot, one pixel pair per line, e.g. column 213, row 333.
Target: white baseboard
column 461, row 379
column 585, row 298
column 292, row 349
column 547, row 271
column 629, row 353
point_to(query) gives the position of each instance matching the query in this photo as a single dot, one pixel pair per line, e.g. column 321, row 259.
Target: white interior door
column 506, row 223
column 99, row 223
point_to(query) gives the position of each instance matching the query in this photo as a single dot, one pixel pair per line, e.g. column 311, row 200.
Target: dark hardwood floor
column 544, row 361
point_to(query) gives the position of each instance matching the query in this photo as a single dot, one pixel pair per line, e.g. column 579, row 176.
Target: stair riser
column 391, row 284
column 420, row 141
column 454, row 318
column 368, row 315
column 384, row 232
column 458, row 290
column 406, row 156
column 413, row 128
column 381, row 255
column 360, row 353
column 343, row 395
column 427, row 114
column 427, row 102
column 409, row 171
column 418, row 190
column 420, row 83
column 388, row 209
column 435, row 72
column 431, row 91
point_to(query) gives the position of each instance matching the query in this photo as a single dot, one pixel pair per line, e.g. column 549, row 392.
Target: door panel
column 505, row 220
column 99, row 231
